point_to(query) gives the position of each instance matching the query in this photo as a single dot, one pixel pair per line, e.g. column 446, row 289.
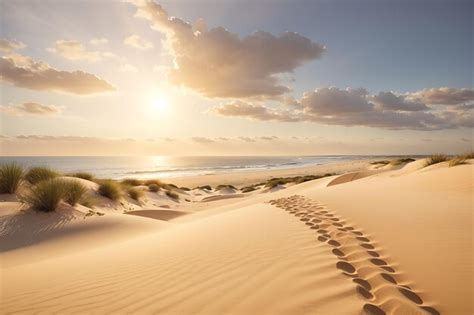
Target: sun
column 160, row 104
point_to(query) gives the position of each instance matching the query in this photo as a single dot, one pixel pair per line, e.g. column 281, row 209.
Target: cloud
column 269, row 138
column 99, row 41
column 128, row 68
column 137, row 42
column 10, row 45
column 203, row 140
column 22, row 71
column 247, row 139
column 390, row 101
column 444, row 96
column 218, row 63
column 75, row 50
column 32, row 108
column 255, row 112
column 356, row 107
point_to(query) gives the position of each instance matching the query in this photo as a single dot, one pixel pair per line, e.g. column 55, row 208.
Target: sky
column 236, row 77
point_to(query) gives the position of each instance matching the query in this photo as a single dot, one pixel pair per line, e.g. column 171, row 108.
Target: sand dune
column 396, row 242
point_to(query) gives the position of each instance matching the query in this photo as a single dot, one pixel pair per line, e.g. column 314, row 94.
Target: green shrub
column 435, row 159
column 75, row 192
column 172, row 194
column 46, row 195
column 131, row 182
column 83, row 175
column 153, row 187
column 11, row 176
column 40, row 173
column 110, row 189
column 135, row 193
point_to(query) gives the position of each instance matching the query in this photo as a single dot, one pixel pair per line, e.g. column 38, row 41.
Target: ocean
column 118, row 167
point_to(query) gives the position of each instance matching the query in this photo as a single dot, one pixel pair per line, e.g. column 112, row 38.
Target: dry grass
column 401, row 161
column 110, row 189
column 135, row 193
column 248, row 189
column 149, row 182
column 205, row 187
column 172, row 195
column 131, row 182
column 40, row 173
column 435, row 159
column 46, row 195
column 75, row 193
column 11, row 176
column 459, row 160
column 153, row 187
column 220, row 187
column 82, row 175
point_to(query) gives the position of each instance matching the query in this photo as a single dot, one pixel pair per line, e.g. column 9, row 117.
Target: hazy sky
column 236, row 77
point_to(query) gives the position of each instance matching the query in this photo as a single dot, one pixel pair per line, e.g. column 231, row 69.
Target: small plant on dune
column 131, row 182
column 135, row 193
column 205, row 187
column 459, row 160
column 384, row 162
column 149, row 182
column 109, row 189
column 75, row 192
column 220, row 187
column 248, row 189
column 82, row 175
column 40, row 173
column 401, row 161
column 435, row 159
column 46, row 195
column 11, row 176
column 153, row 188
column 185, row 188
column 468, row 156
column 172, row 195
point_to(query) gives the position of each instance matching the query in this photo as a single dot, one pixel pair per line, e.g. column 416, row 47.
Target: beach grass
column 172, row 194
column 435, row 159
column 82, row 175
column 40, row 173
column 75, row 192
column 11, row 176
column 135, row 193
column 109, row 189
column 46, row 195
column 131, row 182
column 153, row 187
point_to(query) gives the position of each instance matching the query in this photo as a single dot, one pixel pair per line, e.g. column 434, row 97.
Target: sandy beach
column 397, row 240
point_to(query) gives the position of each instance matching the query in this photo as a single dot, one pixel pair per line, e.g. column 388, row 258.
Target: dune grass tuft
column 110, row 189
column 401, row 161
column 459, row 160
column 75, row 193
column 205, row 187
column 46, row 195
column 220, row 187
column 82, row 175
column 247, row 189
column 149, row 182
column 135, row 193
column 172, row 195
column 435, row 159
column 40, row 173
column 153, row 187
column 131, row 182
column 11, row 176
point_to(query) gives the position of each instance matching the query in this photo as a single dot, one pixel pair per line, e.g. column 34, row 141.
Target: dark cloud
column 24, row 72
column 218, row 63
column 390, row 101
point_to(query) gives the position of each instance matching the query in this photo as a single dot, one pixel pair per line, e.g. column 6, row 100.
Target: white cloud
column 128, row 68
column 218, row 63
column 137, row 42
column 99, row 41
column 10, row 45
